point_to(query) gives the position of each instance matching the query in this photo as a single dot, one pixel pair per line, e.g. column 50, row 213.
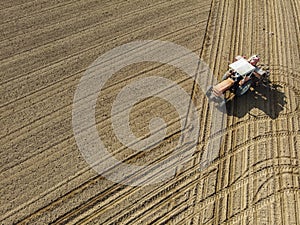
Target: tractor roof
column 242, row 66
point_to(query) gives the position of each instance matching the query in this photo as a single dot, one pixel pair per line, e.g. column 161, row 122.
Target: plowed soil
column 46, row 46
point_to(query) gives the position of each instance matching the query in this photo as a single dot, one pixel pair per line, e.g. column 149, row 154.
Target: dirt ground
column 45, row 48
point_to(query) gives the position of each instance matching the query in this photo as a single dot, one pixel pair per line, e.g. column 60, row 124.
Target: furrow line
column 284, row 28
column 65, row 108
column 75, row 36
column 154, row 194
column 67, row 28
column 41, row 22
column 297, row 23
column 11, row 4
column 25, row 9
column 72, row 78
column 76, row 190
column 86, row 51
column 151, row 207
column 51, row 121
column 256, row 207
column 73, row 58
column 255, row 140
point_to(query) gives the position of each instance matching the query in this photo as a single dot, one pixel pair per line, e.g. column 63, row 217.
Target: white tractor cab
column 242, row 72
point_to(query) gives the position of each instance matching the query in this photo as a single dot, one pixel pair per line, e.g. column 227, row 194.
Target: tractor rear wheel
column 241, row 90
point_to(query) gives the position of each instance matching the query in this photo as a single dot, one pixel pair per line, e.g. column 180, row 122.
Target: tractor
column 242, row 74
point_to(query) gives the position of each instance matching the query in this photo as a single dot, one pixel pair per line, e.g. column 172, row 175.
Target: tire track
column 243, row 183
column 288, row 62
column 207, row 43
column 258, row 206
column 213, row 62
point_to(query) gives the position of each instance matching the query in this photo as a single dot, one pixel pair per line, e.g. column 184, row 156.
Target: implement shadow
column 269, row 99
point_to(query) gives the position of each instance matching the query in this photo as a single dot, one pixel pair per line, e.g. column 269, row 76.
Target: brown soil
column 47, row 45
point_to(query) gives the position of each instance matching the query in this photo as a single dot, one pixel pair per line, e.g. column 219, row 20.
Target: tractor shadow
column 269, row 99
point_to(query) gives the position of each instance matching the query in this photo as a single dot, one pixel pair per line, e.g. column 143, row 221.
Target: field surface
column 45, row 48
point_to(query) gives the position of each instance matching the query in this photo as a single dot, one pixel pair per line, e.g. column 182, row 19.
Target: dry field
column 46, row 46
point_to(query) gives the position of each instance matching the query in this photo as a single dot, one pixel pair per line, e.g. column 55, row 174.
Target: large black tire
column 241, row 90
